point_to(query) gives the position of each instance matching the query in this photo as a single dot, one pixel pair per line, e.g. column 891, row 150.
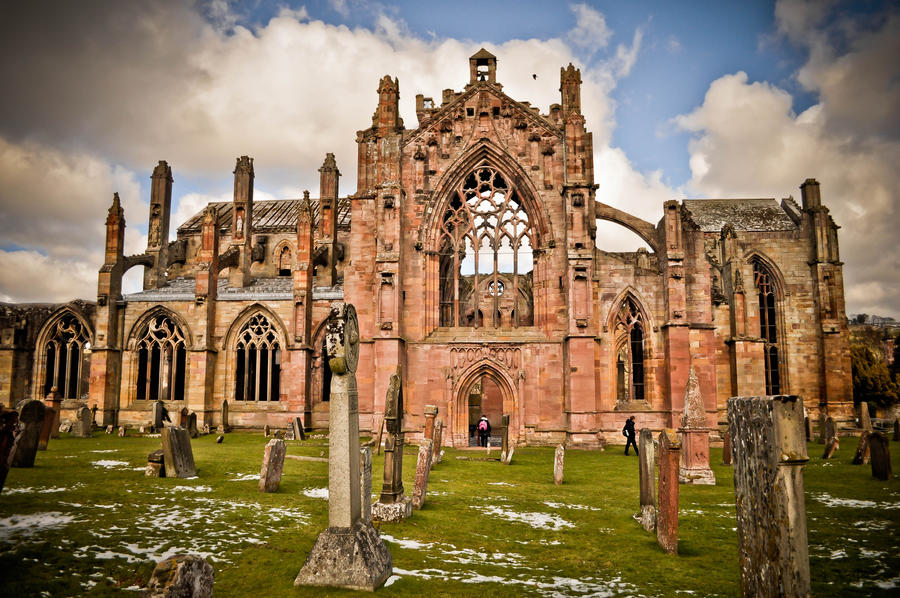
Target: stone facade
column 534, row 320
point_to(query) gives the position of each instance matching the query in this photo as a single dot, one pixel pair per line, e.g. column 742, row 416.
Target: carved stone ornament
column 342, row 338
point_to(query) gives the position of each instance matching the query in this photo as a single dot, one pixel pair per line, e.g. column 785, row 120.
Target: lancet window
column 66, row 358
column 284, row 261
column 486, row 257
column 768, row 324
column 161, row 361
column 630, row 334
column 258, row 367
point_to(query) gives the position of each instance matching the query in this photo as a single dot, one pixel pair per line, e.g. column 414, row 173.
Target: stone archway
column 498, row 395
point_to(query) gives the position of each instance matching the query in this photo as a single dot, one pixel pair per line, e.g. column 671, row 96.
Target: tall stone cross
column 349, row 553
column 392, row 505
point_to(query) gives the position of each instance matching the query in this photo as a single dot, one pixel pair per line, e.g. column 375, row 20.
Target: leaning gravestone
column 438, row 438
column 423, row 468
column 862, row 449
column 9, row 425
column 82, row 426
column 47, row 428
column 272, row 465
column 349, row 553
column 647, row 471
column 179, row 459
column 831, row 448
column 54, row 401
column 865, row 418
column 768, row 484
column 559, row 461
column 881, row 456
column 157, row 412
column 224, row 426
column 392, row 504
column 31, row 420
column 695, row 467
column 297, row 425
column 182, row 576
column 193, row 432
column 667, row 503
column 830, row 430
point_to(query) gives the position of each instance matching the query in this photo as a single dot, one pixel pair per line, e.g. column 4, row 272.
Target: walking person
column 630, row 434
column 484, row 430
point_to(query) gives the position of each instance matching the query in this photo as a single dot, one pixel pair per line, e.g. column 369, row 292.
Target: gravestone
column 559, row 461
column 726, row 449
column 770, row 452
column 509, row 455
column 50, row 417
column 207, row 429
column 297, row 425
column 65, row 427
column 9, row 425
column 438, row 438
column 806, row 429
column 667, row 501
column 279, row 434
column 365, row 483
column 224, row 427
column 430, row 413
column 266, row 430
column 54, row 401
column 881, row 456
column 423, row 468
column 862, row 449
column 31, row 420
column 830, row 430
column 157, row 414
column 392, row 504
column 122, row 430
column 504, row 439
column 831, row 448
column 182, row 576
column 109, row 429
column 695, row 467
column 272, row 465
column 647, row 472
column 82, row 426
column 179, row 459
column 822, row 431
column 183, row 417
column 219, row 439
column 865, row 418
column 94, row 410
column 156, row 464
column 193, row 432
column 349, row 553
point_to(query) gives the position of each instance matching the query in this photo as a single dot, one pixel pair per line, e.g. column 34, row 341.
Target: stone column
column 430, row 413
column 559, row 460
column 423, row 468
column 647, row 469
column 694, row 437
column 349, row 553
column 667, row 505
column 272, row 465
column 881, row 456
column 770, row 452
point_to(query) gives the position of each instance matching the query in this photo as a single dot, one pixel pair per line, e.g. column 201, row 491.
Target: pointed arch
column 755, row 255
column 629, row 324
column 158, row 342
column 158, row 310
column 769, row 287
column 640, row 302
column 284, row 257
column 241, row 319
column 62, row 352
column 254, row 344
column 464, row 383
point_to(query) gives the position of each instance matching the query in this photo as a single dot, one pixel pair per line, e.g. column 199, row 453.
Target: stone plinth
column 667, row 502
column 272, row 465
column 423, row 469
column 179, row 458
column 392, row 512
column 559, row 462
column 31, row 421
column 182, row 576
column 770, row 452
column 647, row 472
column 353, row 558
column 880, row 452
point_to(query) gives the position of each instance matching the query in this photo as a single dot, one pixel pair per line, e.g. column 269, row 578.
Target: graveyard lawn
column 86, row 520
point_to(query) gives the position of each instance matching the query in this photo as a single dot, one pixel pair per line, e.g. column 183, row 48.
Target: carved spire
column 570, row 88
column 387, row 115
column 329, row 176
column 116, row 214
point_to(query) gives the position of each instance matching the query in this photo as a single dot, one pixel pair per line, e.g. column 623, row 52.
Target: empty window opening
column 161, row 361
column 768, row 326
column 630, row 354
column 67, row 359
column 258, row 362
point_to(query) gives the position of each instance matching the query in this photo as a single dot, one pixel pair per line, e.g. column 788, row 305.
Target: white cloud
column 340, row 7
column 28, row 276
column 591, row 32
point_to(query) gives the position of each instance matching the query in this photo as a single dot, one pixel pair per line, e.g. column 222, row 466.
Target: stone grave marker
column 9, row 426
column 158, row 414
column 31, row 421
column 219, row 439
column 770, row 452
column 881, row 456
column 54, row 401
column 647, row 472
column 430, row 414
column 559, row 461
column 438, row 438
column 109, row 429
column 392, row 504
column 82, row 426
column 156, row 464
column 65, row 427
column 122, row 431
column 182, row 576
column 726, row 449
column 865, row 418
column 694, row 437
column 297, row 425
column 183, row 417
column 862, row 449
column 822, row 431
column 831, row 448
column 504, row 439
column 224, row 427
column 365, row 483
column 207, row 429
column 50, row 417
column 349, row 553
column 193, row 432
column 509, row 455
column 830, row 430
column 266, row 430
column 272, row 465
column 667, row 502
column 179, row 458
column 423, row 468
column 279, row 434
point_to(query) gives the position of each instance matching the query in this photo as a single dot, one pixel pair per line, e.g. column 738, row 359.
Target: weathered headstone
column 207, row 429
column 9, row 426
column 831, row 448
column 862, row 449
column 865, row 418
column 423, row 469
column 726, row 449
column 156, row 464
column 647, row 471
column 430, row 413
column 54, row 401
column 365, row 483
column 279, row 434
column 219, row 439
column 47, row 428
column 509, row 455
column 349, row 553
column 695, row 467
column 667, row 501
column 193, row 432
column 94, row 410
column 179, row 458
column 109, row 429
column 504, row 439
column 183, row 417
column 823, row 433
column 82, row 426
column 438, row 438
column 122, row 430
column 881, row 456
column 297, row 425
column 65, row 427
column 770, row 452
column 559, row 462
column 272, row 465
column 224, row 427
column 266, row 430
column 182, row 576
column 158, row 412
column 830, row 430
column 392, row 504
column 31, row 420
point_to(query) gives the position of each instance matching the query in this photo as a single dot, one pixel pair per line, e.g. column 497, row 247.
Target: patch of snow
column 870, row 554
column 391, row 580
column 245, row 477
column 534, row 519
column 109, row 463
column 888, row 584
column 500, row 484
column 838, row 554
column 316, row 493
column 191, row 489
column 409, row 544
column 562, row 505
column 853, row 503
column 107, row 451
column 32, row 524
column 9, row 491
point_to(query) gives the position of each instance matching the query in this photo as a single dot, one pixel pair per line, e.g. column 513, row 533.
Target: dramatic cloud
column 750, row 142
column 590, row 32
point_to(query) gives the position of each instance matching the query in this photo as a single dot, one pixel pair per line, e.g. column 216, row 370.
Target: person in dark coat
column 630, row 434
column 484, row 430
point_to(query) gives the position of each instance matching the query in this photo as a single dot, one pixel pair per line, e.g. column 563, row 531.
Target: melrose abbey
column 470, row 251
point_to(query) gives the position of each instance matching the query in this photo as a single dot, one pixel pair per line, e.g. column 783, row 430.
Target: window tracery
column 630, row 332
column 161, row 361
column 768, row 325
column 258, row 367
column 66, row 358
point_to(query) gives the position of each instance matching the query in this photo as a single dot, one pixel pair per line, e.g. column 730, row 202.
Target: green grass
column 110, row 525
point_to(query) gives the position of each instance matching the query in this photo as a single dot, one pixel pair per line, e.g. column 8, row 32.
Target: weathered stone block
column 881, row 456
column 272, row 465
column 353, row 558
column 179, row 458
column 423, row 469
column 31, row 421
column 182, row 576
column 667, row 502
column 647, row 472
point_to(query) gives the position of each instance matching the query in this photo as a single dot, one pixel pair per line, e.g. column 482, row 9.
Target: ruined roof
column 710, row 215
column 269, row 216
column 260, row 289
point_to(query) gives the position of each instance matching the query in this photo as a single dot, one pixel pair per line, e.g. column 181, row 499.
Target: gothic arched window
column 66, row 358
column 629, row 331
column 258, row 354
column 768, row 324
column 284, row 261
column 161, row 361
column 485, row 251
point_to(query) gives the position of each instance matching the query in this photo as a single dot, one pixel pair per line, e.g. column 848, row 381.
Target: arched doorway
column 487, row 391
